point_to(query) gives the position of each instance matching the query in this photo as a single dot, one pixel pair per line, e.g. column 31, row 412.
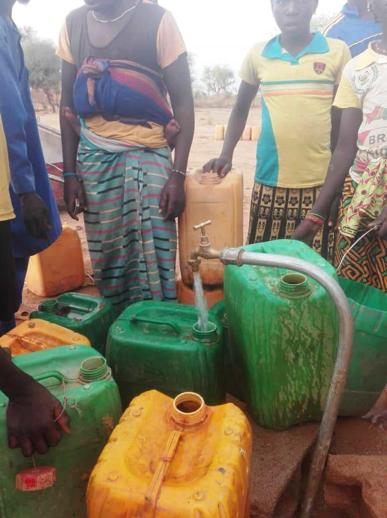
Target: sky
column 215, row 31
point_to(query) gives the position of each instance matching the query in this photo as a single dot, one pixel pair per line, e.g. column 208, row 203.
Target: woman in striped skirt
column 120, row 60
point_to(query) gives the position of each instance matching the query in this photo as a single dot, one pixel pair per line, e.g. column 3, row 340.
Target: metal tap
column 204, row 250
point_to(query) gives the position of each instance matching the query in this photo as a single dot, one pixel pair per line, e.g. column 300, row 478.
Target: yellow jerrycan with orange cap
column 174, row 458
column 220, row 200
column 38, row 335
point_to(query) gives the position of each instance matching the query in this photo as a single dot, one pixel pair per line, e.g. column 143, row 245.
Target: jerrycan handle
column 157, row 322
column 51, row 375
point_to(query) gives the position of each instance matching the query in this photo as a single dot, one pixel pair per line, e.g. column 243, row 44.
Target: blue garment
column 28, row 168
column 356, row 32
column 121, row 90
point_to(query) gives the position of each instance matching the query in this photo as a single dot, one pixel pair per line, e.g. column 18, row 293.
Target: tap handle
column 202, row 226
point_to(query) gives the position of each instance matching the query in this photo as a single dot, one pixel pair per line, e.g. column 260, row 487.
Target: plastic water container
column 159, row 345
column 59, row 268
column 255, row 132
column 38, row 335
column 56, row 487
column 219, row 132
column 246, row 135
column 284, row 326
column 221, row 201
column 87, row 315
column 367, row 375
column 174, row 459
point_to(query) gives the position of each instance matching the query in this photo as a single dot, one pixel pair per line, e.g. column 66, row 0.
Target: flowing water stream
column 200, row 303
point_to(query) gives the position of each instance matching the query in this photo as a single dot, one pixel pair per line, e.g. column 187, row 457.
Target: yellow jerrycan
column 221, row 201
column 174, row 459
column 38, row 335
column 59, row 268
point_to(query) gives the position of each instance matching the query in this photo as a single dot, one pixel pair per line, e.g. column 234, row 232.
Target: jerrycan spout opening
column 94, row 369
column 208, row 336
column 189, row 409
column 294, row 285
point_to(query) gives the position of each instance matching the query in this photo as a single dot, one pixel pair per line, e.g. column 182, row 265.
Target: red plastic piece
column 36, row 479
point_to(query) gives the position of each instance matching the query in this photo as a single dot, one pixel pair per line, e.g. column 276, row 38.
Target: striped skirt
column 276, row 212
column 132, row 249
column 367, row 261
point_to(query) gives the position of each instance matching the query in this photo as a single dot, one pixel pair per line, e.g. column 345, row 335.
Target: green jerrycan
column 79, row 378
column 233, row 373
column 87, row 315
column 367, row 375
column 285, row 330
column 157, row 345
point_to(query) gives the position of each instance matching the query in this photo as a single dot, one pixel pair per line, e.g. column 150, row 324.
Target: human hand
column 36, row 215
column 222, row 166
column 35, row 420
column 172, row 200
column 306, row 231
column 381, row 224
column 74, row 197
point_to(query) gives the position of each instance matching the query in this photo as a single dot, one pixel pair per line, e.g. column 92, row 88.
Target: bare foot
column 378, row 415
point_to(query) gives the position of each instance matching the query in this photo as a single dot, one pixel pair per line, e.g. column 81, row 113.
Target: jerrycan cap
column 94, row 369
column 294, row 285
column 36, row 479
column 189, row 409
column 208, row 336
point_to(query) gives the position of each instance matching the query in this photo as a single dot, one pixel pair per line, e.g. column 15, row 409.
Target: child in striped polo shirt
column 297, row 73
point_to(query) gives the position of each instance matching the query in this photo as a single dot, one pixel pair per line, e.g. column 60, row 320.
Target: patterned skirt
column 276, row 212
column 132, row 248
column 367, row 261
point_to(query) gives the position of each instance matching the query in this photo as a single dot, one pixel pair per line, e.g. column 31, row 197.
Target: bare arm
column 341, row 163
column 178, row 81
column 236, row 125
column 73, row 191
column 70, row 139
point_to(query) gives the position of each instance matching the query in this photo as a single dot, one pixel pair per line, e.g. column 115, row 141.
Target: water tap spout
column 204, row 250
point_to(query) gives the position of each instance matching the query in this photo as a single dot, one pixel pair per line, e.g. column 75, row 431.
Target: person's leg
column 21, row 264
column 8, row 290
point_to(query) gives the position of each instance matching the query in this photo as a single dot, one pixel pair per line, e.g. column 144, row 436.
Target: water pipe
column 240, row 257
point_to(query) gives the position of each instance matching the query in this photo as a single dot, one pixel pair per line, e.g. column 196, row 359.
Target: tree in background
column 219, row 80
column 43, row 64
